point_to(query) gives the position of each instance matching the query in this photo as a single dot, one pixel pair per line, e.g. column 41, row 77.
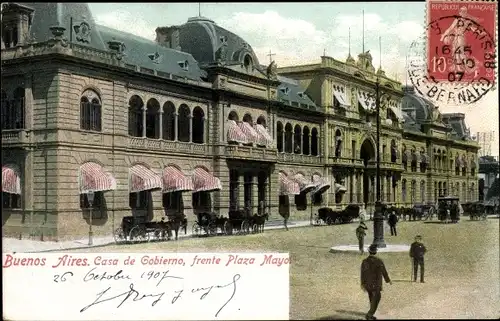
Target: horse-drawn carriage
column 448, row 209
column 240, row 221
column 139, row 229
column 475, row 210
column 330, row 216
column 424, row 211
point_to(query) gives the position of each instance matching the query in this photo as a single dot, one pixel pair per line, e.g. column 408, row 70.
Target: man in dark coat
column 417, row 251
column 393, row 220
column 372, row 271
column 360, row 234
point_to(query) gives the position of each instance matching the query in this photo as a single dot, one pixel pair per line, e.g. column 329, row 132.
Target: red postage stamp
column 461, row 40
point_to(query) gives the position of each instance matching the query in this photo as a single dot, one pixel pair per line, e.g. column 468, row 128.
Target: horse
column 260, row 221
column 175, row 222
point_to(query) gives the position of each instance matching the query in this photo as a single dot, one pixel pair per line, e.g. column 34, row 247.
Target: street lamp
column 378, row 219
column 90, row 199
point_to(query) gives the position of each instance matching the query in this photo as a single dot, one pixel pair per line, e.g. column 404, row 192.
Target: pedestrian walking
column 417, row 252
column 372, row 271
column 393, row 220
column 360, row 234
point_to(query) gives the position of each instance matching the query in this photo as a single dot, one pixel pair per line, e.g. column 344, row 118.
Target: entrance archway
column 367, row 154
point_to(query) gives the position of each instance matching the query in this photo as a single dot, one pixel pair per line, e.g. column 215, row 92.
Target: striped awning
column 203, row 181
column 142, row 178
column 92, row 177
column 11, row 179
column 340, row 188
column 234, row 133
column 397, row 112
column 321, row 185
column 251, row 134
column 174, row 180
column 424, row 158
column 366, row 100
column 265, row 138
column 288, row 186
column 305, row 185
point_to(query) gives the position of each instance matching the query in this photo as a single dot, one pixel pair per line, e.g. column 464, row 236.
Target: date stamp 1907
column 461, row 41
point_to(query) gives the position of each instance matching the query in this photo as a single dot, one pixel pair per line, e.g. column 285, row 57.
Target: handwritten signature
column 133, row 294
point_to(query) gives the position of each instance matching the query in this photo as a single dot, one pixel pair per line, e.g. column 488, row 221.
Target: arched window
column 90, row 111
column 135, row 113
column 288, row 138
column 445, row 189
column 168, row 121
column 153, row 119
column 404, row 157
column 297, row 139
column 305, row 141
column 394, row 151
column 440, row 189
column 422, row 192
column 414, row 159
column 314, row 142
column 413, row 191
column 248, row 119
column 435, row 191
column 261, row 121
column 183, row 124
column 403, row 190
column 464, row 192
column 233, row 116
column 248, row 62
column 198, row 125
column 464, row 166
column 338, row 143
column 279, row 136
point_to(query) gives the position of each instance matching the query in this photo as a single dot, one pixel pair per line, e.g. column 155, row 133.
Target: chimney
column 168, row 37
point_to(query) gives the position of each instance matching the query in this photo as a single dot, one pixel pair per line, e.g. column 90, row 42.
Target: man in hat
column 360, row 234
column 393, row 220
column 417, row 251
column 372, row 271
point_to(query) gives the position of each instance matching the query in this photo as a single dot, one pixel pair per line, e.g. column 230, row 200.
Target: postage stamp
column 461, row 40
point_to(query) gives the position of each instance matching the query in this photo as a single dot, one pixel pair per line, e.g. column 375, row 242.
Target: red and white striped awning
column 251, row 135
column 11, row 179
column 305, row 185
column 288, row 186
column 265, row 138
column 142, row 178
column 203, row 181
column 174, row 180
column 321, row 185
column 340, row 188
column 235, row 134
column 92, row 177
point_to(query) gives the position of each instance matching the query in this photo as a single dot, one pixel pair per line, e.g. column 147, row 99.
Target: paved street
column 15, row 245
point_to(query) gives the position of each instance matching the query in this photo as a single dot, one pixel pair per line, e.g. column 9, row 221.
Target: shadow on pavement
column 400, row 281
column 317, row 247
column 340, row 317
column 434, row 222
column 357, row 313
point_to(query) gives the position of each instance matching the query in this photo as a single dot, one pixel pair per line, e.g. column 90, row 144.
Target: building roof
column 410, row 123
column 147, row 53
column 291, row 93
column 51, row 14
column 202, row 37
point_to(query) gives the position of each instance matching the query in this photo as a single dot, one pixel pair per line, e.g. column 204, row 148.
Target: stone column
column 176, row 129
column 144, row 112
column 190, row 121
column 283, row 140
column 241, row 190
column 318, row 151
column 360, row 187
column 389, row 188
column 255, row 194
column 309, row 138
column 293, row 141
column 160, row 123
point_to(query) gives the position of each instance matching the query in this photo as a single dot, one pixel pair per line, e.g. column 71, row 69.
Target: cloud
column 126, row 21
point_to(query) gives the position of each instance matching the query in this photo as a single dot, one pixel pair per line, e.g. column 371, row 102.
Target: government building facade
column 193, row 122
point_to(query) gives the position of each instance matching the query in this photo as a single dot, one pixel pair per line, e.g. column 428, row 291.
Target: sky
column 300, row 33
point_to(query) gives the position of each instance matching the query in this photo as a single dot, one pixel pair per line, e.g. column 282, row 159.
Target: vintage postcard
column 237, row 161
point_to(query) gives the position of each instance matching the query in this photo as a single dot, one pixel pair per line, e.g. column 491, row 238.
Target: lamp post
column 378, row 219
column 90, row 198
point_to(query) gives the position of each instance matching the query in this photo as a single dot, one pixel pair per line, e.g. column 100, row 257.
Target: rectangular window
column 301, row 201
column 139, row 200
column 353, row 149
column 172, row 201
column 96, row 204
column 12, row 201
column 317, row 199
column 202, row 202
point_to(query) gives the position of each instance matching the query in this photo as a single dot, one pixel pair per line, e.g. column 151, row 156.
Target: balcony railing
column 14, row 136
column 299, row 158
column 249, row 152
column 166, row 145
column 341, row 161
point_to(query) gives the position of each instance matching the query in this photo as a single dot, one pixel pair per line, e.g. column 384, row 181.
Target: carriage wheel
column 138, row 234
column 245, row 227
column 159, row 234
column 212, row 229
column 255, row 229
column 119, row 235
column 227, row 228
column 328, row 221
column 196, row 229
